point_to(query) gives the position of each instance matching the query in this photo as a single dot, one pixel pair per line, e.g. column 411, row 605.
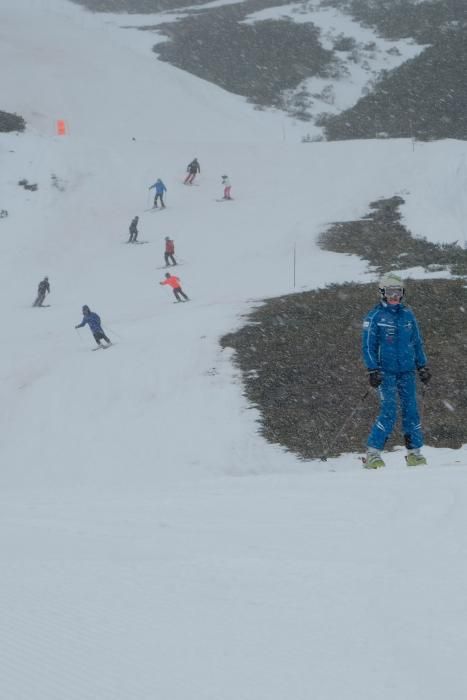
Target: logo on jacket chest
column 390, row 330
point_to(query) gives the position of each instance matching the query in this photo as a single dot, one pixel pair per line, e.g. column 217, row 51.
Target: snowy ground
column 152, row 545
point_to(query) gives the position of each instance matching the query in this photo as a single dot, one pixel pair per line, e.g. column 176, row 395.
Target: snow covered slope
column 135, row 561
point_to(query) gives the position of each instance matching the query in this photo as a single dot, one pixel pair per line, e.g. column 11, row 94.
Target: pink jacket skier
column 227, row 187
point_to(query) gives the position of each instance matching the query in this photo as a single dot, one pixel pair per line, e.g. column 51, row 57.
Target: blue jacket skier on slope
column 392, row 350
column 159, row 188
column 94, row 322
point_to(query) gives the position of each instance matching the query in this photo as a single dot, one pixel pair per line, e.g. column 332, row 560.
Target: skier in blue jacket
column 159, row 188
column 392, row 351
column 94, row 322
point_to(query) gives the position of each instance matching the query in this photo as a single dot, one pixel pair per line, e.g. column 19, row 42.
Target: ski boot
column 373, row 460
column 415, row 458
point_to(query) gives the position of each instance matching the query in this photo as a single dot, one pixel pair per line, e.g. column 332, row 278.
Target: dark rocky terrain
column 381, row 239
column 136, row 6
column 243, row 58
column 426, row 98
column 301, row 363
column 11, row 122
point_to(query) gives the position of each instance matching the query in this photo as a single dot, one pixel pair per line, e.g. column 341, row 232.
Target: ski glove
column 424, row 374
column 375, row 378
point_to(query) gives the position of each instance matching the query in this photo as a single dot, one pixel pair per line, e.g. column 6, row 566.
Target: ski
column 224, row 199
column 135, row 242
column 166, row 267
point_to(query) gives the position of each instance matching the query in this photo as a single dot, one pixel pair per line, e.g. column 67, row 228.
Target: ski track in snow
column 152, row 544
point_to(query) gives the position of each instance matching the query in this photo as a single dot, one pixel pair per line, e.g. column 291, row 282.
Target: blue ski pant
column 404, row 386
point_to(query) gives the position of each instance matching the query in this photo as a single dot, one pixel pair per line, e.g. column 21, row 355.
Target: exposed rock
column 11, row 122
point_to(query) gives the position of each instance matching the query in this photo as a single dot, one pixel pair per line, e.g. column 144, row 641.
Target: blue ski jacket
column 391, row 339
column 93, row 322
column 160, row 187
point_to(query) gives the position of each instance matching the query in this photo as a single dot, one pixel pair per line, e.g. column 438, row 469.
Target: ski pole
column 79, row 336
column 319, row 434
column 324, row 458
column 114, row 333
column 422, row 403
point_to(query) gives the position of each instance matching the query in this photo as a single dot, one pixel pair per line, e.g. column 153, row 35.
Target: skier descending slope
column 175, row 283
column 94, row 322
column 392, row 351
column 227, row 186
column 159, row 189
column 133, row 230
column 192, row 169
column 42, row 289
column 169, row 252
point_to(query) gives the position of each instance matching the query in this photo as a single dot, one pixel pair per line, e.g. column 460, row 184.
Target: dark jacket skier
column 133, row 230
column 192, row 169
column 94, row 322
column 42, row 289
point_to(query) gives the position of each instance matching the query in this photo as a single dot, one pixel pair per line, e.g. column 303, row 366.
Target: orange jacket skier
column 174, row 282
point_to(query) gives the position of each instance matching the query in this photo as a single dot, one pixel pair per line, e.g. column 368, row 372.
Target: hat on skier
column 167, row 238
column 167, row 274
column 86, row 309
column 391, row 288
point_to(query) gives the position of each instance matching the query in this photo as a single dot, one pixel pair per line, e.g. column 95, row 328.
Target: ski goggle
column 394, row 294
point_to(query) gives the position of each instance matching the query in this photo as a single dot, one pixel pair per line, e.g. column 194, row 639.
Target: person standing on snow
column 169, row 251
column 42, row 289
column 392, row 351
column 175, row 283
column 159, row 188
column 192, row 169
column 227, row 187
column 94, row 322
column 133, row 230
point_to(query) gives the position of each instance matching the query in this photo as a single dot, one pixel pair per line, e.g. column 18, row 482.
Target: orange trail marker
column 61, row 127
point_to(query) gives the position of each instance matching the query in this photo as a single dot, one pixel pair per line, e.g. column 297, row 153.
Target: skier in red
column 175, row 283
column 169, row 251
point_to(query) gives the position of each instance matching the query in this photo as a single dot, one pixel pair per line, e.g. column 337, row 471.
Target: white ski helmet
column 391, row 280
